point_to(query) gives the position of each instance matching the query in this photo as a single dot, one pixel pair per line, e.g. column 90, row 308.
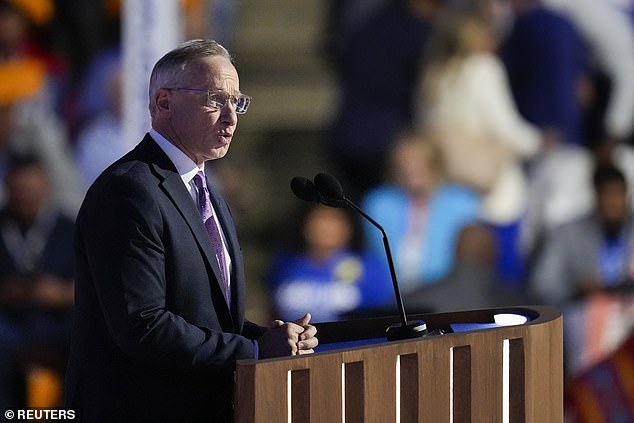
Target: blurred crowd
column 491, row 138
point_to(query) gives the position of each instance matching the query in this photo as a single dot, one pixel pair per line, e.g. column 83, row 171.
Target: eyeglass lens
column 240, row 101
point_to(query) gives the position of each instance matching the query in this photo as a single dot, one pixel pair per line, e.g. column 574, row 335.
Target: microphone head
column 329, row 187
column 304, row 189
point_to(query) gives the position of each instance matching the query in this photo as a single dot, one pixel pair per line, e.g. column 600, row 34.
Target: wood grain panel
column 300, row 395
column 462, row 384
column 409, row 389
column 486, row 373
column 434, row 370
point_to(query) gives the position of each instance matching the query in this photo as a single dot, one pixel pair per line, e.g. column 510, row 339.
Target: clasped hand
column 288, row 338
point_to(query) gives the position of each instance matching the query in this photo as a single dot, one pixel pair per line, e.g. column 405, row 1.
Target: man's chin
column 218, row 153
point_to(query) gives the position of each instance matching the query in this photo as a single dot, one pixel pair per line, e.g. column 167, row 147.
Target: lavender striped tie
column 206, row 212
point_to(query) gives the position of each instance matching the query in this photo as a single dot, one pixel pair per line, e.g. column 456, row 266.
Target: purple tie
column 206, row 212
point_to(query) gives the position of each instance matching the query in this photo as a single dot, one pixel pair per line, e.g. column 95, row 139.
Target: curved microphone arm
column 388, row 253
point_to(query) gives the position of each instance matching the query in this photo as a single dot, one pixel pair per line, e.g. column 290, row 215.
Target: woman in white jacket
column 466, row 105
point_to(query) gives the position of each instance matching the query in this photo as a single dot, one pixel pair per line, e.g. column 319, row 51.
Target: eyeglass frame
column 217, row 105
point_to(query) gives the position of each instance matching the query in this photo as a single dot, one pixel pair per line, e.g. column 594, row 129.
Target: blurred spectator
column 472, row 281
column 379, row 66
column 343, row 18
column 326, row 270
column 559, row 191
column 22, row 45
column 27, row 128
column 593, row 252
column 582, row 268
column 100, row 142
column 468, row 109
column 36, row 268
column 545, row 59
column 94, row 97
column 421, row 213
column 608, row 31
column 28, row 95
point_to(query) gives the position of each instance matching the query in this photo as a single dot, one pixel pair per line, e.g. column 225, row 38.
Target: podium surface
column 494, row 365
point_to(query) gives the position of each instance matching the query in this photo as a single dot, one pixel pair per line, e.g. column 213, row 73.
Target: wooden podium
column 467, row 369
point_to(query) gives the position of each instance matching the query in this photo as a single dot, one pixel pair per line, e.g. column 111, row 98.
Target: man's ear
column 162, row 100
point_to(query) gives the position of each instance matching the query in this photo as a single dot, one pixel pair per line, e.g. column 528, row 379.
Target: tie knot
column 199, row 180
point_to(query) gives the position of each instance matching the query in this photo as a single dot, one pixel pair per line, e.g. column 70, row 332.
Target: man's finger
column 309, row 332
column 303, row 321
column 308, row 344
column 294, row 348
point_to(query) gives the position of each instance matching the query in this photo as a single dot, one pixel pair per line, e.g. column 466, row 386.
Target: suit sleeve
column 120, row 240
column 252, row 330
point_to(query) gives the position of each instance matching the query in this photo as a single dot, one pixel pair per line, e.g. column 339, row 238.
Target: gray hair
column 174, row 65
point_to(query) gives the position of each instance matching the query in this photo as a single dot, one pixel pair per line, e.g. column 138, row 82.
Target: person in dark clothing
column 36, row 278
column 379, row 68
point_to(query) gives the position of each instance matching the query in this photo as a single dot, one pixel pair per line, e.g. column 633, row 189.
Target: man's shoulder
column 136, row 167
column 127, row 171
column 128, row 177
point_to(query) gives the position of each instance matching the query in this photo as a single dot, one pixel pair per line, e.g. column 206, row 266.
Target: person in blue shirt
column 327, row 271
column 421, row 213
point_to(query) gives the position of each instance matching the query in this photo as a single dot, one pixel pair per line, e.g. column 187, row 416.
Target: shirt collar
column 185, row 166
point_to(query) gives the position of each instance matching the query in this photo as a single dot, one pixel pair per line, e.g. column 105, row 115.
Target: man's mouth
column 225, row 136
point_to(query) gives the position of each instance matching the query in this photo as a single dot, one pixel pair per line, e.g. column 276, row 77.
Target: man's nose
column 228, row 113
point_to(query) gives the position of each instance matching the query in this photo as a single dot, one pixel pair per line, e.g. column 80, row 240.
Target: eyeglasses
column 219, row 99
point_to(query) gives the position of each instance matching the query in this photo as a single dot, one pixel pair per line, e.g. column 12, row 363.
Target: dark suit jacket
column 154, row 339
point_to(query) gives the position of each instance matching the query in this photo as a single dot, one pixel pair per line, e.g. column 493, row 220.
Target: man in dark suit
column 160, row 281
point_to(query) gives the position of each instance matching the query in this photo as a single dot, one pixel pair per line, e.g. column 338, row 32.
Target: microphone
column 330, row 192
column 305, row 190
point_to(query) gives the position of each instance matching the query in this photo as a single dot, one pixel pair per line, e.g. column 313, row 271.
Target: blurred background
column 491, row 138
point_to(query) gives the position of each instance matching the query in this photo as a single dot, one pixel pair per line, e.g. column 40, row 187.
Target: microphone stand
column 406, row 330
